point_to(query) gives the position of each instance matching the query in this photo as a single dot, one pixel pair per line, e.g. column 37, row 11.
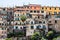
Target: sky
column 12, row 3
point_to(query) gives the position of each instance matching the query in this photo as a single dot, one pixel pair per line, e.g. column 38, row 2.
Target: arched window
column 38, row 27
column 16, row 23
column 43, row 22
column 40, row 22
column 32, row 27
column 32, row 22
column 16, row 27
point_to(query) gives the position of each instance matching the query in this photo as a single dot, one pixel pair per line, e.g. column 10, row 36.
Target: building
column 35, row 14
column 3, row 23
column 39, row 18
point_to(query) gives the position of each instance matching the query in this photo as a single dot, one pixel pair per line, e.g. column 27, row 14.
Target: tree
column 58, row 38
column 54, row 38
column 23, row 18
column 15, row 34
column 9, row 35
column 43, row 38
column 50, row 35
column 18, row 34
column 36, row 36
column 8, row 39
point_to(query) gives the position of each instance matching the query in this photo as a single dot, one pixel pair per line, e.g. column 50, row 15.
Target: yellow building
column 52, row 10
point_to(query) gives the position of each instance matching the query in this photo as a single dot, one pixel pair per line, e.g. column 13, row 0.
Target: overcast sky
column 11, row 3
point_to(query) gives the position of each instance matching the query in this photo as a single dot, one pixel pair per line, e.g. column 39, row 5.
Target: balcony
column 57, row 17
column 29, row 15
column 39, row 27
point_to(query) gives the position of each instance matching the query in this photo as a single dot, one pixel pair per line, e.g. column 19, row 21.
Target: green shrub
column 8, row 39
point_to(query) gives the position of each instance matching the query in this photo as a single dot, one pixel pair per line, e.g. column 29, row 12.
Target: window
column 55, row 13
column 32, row 22
column 16, row 27
column 50, row 8
column 32, row 27
column 49, row 13
column 16, row 23
column 59, row 13
column 18, row 10
column 40, row 22
column 27, row 6
column 11, row 13
column 58, row 16
column 27, row 10
column 17, row 19
column 38, row 16
column 38, row 27
column 0, row 23
column 15, row 15
column 34, row 11
column 20, row 23
column 55, row 21
column 44, row 22
column 59, row 8
column 24, row 27
column 44, row 27
column 34, row 7
column 46, row 7
column 2, row 28
column 42, row 11
column 42, row 8
column 38, row 11
column 18, row 14
column 20, row 27
column 2, row 32
column 49, row 21
column 31, row 11
column 3, row 8
column 55, row 8
column 5, row 24
column 4, row 16
column 36, row 22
